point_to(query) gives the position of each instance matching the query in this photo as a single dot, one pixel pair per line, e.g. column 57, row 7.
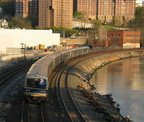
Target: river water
column 125, row 80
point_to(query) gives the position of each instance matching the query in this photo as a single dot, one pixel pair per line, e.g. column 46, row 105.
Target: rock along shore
column 94, row 106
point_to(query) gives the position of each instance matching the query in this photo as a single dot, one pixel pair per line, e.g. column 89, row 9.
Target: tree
column 55, row 29
column 64, row 31
column 116, row 21
column 137, row 23
column 21, row 23
column 11, row 25
column 110, row 28
column 102, row 35
column 78, row 15
column 94, row 31
column 38, row 28
column 8, row 7
column 34, row 21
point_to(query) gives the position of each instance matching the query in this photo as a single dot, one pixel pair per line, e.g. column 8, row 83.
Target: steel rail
column 14, row 71
column 32, row 112
column 69, row 106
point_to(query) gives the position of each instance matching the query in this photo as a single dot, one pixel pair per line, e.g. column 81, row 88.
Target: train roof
column 54, row 55
column 36, row 76
column 72, row 49
column 40, row 66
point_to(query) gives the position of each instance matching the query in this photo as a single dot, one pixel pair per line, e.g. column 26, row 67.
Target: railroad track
column 68, row 105
column 4, row 77
column 32, row 112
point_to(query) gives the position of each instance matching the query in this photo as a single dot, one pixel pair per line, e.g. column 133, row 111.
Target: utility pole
column 24, row 49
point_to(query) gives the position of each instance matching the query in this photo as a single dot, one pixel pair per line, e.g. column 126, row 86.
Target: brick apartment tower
column 25, row 8
column 88, row 7
column 106, row 10
column 57, row 13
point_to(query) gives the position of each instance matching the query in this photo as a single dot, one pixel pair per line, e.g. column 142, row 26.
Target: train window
column 33, row 83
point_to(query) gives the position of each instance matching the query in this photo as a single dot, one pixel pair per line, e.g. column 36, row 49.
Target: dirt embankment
column 103, row 105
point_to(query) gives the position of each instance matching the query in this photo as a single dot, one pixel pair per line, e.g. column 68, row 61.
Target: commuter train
column 37, row 82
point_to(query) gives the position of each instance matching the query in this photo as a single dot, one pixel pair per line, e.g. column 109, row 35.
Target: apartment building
column 25, row 8
column 33, row 7
column 106, row 10
column 57, row 13
column 88, row 7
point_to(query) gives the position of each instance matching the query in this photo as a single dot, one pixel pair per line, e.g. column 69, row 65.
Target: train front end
column 35, row 88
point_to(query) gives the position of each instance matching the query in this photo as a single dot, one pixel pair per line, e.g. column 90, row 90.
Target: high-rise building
column 87, row 7
column 124, row 10
column 33, row 7
column 25, row 8
column 21, row 8
column 106, row 10
column 57, row 13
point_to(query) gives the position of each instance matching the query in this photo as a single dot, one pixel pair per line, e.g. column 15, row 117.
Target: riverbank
column 103, row 108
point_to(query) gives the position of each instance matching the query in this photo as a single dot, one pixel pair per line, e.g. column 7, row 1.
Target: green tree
column 21, row 23
column 8, row 7
column 64, row 31
column 55, row 29
column 11, row 25
column 94, row 31
column 34, row 21
column 116, row 21
column 78, row 15
column 38, row 28
column 137, row 23
column 110, row 28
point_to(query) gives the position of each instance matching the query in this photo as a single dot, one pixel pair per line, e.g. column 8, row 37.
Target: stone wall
column 87, row 68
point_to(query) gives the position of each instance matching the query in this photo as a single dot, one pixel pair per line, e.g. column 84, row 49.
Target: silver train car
column 36, row 82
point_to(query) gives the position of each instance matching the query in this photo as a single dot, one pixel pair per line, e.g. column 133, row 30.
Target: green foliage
column 63, row 30
column 8, row 7
column 138, row 22
column 142, row 30
column 96, row 23
column 11, row 25
column 78, row 15
column 38, row 28
column 34, row 21
column 116, row 22
column 109, row 28
column 55, row 29
column 94, row 32
column 21, row 23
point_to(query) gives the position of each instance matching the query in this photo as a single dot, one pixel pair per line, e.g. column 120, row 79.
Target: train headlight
column 43, row 91
column 27, row 90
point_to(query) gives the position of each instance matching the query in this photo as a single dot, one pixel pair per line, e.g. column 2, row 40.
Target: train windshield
column 36, row 83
